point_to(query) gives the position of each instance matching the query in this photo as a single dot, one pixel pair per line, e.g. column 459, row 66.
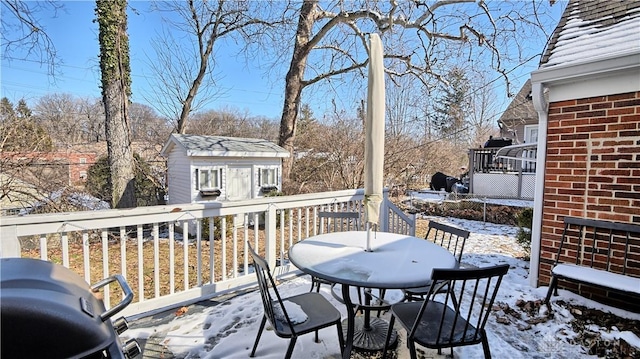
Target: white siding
column 178, row 177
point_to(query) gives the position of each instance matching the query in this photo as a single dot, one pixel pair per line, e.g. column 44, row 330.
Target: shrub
column 524, row 220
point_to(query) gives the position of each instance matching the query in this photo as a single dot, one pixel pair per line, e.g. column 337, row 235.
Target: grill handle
column 128, row 294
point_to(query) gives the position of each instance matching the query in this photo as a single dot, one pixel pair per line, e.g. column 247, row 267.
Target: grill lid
column 48, row 311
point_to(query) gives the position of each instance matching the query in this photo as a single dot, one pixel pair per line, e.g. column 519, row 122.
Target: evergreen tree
column 6, row 110
column 22, row 110
column 18, row 130
column 451, row 109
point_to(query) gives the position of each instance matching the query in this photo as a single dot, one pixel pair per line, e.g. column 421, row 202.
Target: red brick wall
column 592, row 166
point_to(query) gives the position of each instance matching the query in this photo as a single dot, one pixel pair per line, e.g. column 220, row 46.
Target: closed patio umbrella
column 374, row 136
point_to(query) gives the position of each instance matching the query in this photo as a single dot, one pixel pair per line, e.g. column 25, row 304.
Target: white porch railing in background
column 181, row 253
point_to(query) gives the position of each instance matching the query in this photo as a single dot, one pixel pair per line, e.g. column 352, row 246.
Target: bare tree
column 91, row 118
column 420, row 38
column 184, row 84
column 59, row 115
column 27, row 174
column 485, row 110
column 23, row 37
column 116, row 89
column 333, row 158
column 232, row 122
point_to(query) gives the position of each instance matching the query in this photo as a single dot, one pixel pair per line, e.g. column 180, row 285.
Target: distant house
column 208, row 168
column 587, row 96
column 17, row 196
column 65, row 168
column 520, row 120
column 505, row 166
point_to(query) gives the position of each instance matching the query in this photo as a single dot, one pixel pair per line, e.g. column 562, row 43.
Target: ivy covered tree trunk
column 116, row 89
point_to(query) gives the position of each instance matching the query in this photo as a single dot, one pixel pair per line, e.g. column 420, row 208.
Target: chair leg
column 382, row 294
column 412, row 349
column 340, row 336
column 389, row 332
column 317, row 339
column 255, row 345
column 485, row 346
column 553, row 287
column 292, row 343
column 315, row 284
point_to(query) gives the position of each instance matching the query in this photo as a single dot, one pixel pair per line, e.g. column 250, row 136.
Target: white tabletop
column 396, row 261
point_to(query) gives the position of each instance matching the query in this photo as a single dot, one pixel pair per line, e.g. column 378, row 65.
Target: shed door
column 238, row 183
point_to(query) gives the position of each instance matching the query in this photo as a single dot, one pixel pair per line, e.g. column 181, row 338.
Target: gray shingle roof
column 592, row 28
column 196, row 145
column 521, row 107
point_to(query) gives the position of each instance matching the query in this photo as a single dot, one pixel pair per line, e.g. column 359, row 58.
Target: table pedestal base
column 372, row 338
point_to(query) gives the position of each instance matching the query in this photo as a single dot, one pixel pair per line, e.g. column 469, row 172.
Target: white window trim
column 217, row 170
column 527, row 132
column 275, row 176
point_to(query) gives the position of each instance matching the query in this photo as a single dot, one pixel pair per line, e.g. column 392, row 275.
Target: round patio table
column 396, row 261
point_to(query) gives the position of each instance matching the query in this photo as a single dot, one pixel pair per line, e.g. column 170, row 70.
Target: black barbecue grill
column 48, row 311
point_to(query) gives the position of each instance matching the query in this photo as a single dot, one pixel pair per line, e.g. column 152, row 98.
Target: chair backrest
column 449, row 237
column 339, row 221
column 271, row 300
column 470, row 297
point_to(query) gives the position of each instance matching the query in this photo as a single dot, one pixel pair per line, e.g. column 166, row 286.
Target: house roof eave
column 593, row 68
column 191, row 153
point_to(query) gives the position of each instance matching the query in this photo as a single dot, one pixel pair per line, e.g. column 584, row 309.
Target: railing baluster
column 65, row 250
column 223, row 237
column 234, row 259
column 212, row 242
column 198, row 253
column 156, row 259
column 172, row 259
column 105, row 267
column 185, row 253
column 86, row 260
column 139, row 235
column 281, row 254
column 44, row 254
column 245, row 252
column 123, row 251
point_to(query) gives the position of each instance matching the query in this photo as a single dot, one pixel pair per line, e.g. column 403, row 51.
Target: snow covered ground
column 440, row 196
column 228, row 328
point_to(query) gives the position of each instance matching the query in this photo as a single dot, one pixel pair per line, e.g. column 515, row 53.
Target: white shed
column 208, row 168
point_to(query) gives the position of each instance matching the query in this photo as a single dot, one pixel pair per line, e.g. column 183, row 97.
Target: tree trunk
column 294, row 84
column 116, row 88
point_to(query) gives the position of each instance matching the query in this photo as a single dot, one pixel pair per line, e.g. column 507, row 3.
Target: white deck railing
column 147, row 244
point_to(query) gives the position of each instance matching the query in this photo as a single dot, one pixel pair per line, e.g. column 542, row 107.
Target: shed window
column 268, row 177
column 208, row 178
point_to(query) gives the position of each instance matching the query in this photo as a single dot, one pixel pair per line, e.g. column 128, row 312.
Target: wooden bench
column 599, row 253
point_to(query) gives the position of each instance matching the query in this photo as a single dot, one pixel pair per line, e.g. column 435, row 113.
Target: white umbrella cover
column 374, row 135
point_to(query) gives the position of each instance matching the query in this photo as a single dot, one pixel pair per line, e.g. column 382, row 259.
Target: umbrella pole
column 368, row 247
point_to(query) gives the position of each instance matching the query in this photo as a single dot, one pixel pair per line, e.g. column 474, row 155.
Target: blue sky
column 75, row 36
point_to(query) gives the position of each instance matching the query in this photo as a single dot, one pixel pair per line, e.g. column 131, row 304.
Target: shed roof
column 594, row 28
column 220, row 146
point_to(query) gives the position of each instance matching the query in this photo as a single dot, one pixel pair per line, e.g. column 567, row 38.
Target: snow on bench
column 599, row 277
column 600, row 253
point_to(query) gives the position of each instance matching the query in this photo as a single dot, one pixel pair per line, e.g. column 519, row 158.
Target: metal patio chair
column 335, row 222
column 319, row 311
column 449, row 237
column 436, row 325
